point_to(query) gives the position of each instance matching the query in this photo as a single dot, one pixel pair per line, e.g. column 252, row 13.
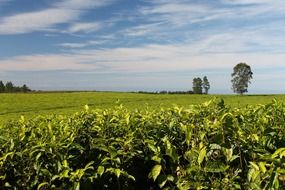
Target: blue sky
column 129, row 45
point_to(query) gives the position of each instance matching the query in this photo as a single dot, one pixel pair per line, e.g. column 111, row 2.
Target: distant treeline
column 9, row 87
column 200, row 86
column 167, row 92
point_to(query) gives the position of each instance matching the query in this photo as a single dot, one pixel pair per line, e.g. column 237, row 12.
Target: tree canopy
column 197, row 85
column 10, row 87
column 241, row 78
column 2, row 87
column 206, row 85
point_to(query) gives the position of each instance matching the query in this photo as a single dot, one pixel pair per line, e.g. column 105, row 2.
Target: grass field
column 12, row 106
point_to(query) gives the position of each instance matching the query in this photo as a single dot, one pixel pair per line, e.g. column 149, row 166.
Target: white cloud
column 84, row 44
column 149, row 58
column 36, row 21
column 62, row 12
column 47, row 62
column 216, row 27
column 97, row 42
column 175, row 7
column 142, row 30
column 197, row 58
column 177, row 13
column 85, row 27
column 73, row 45
column 181, row 12
column 82, row 4
column 248, row 2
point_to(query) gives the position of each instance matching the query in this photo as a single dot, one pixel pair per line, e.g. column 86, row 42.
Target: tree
column 206, row 85
column 9, row 87
column 2, row 87
column 241, row 78
column 197, row 85
column 25, row 89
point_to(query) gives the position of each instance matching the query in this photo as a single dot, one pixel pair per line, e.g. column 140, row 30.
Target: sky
column 150, row 45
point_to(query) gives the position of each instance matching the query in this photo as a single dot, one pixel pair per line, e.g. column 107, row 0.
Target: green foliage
column 9, row 87
column 2, row 87
column 209, row 146
column 197, row 86
column 241, row 78
column 206, row 85
column 30, row 105
column 25, row 88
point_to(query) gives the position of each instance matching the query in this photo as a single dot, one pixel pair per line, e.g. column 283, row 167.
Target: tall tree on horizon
column 2, row 87
column 9, row 87
column 206, row 85
column 197, row 85
column 25, row 88
column 241, row 78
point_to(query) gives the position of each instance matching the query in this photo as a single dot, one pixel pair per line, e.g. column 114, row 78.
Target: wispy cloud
column 36, row 21
column 73, row 45
column 149, row 58
column 82, row 4
column 183, row 12
column 84, row 44
column 178, row 12
column 250, row 2
column 48, row 62
column 85, row 27
column 142, row 30
column 62, row 12
column 147, row 64
column 222, row 26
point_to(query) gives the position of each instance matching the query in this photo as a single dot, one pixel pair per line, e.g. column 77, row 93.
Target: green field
column 62, row 144
column 12, row 106
column 207, row 146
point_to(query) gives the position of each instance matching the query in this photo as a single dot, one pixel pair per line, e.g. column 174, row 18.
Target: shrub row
column 209, row 146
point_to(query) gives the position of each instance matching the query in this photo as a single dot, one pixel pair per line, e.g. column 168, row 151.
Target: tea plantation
column 204, row 146
column 12, row 106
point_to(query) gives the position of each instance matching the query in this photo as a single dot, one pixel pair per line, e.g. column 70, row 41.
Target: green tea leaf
column 155, row 172
column 100, row 170
column 202, row 155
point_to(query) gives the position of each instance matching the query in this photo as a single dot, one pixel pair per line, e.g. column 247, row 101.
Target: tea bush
column 208, row 146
